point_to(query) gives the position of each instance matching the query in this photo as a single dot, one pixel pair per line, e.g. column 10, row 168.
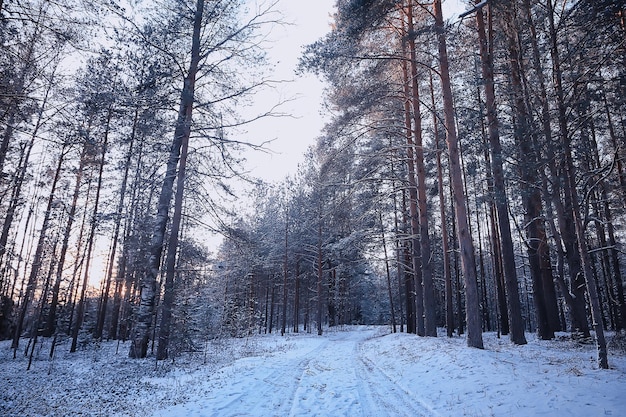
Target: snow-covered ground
column 354, row 371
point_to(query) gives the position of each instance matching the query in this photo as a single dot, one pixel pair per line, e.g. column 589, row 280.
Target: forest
column 471, row 176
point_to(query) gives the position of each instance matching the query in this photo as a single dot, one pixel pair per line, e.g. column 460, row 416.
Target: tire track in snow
column 329, row 386
column 385, row 393
column 251, row 386
column 327, row 376
column 272, row 390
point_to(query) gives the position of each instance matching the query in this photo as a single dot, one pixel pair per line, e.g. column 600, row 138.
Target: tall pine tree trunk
column 565, row 211
column 449, row 297
column 283, row 325
column 570, row 188
column 141, row 332
column 466, row 245
column 38, row 257
column 508, row 257
column 428, row 290
column 171, row 256
column 400, row 266
column 320, row 273
column 412, row 283
column 387, row 272
column 91, row 237
column 538, row 245
column 296, row 299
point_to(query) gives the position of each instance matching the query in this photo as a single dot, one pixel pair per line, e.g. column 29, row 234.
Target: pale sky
column 310, row 20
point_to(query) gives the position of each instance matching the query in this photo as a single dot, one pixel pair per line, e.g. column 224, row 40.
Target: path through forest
column 329, row 377
column 349, row 371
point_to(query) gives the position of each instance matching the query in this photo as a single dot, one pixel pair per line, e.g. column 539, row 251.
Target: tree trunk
column 267, row 307
column 296, row 299
column 125, row 274
column 617, row 274
column 141, row 333
column 400, row 267
column 428, row 290
column 42, row 301
column 601, row 195
column 591, row 285
column 283, row 326
column 91, row 238
column 52, row 312
column 449, row 297
column 486, row 313
column 14, row 202
column 79, row 261
column 272, row 288
column 413, row 284
column 482, row 279
column 567, row 217
column 38, row 257
column 508, row 255
column 116, row 231
column 320, row 272
column 621, row 172
column 570, row 188
column 466, row 245
column 537, row 235
column 170, row 258
column 388, row 272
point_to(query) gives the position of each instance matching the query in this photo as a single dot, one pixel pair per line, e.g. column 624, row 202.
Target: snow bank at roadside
column 100, row 380
column 548, row 378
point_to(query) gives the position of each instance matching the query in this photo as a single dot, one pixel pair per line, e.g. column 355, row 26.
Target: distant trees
column 319, row 274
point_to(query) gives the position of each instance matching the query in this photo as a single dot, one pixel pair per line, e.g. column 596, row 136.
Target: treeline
column 117, row 123
column 472, row 177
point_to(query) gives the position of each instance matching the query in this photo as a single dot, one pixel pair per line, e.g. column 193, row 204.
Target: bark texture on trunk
column 141, row 332
column 428, row 289
column 466, row 245
column 508, row 256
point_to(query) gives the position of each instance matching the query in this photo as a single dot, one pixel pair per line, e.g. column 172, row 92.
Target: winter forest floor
column 353, row 371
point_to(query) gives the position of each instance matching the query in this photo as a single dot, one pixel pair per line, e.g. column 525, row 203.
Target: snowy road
column 353, row 371
column 330, row 377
